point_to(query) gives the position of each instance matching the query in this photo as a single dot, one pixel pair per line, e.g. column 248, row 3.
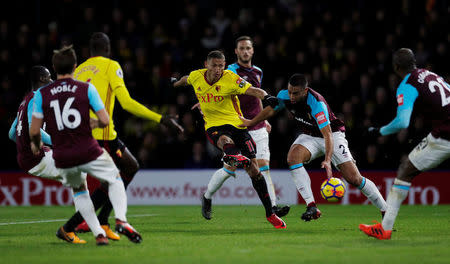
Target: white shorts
column 316, row 145
column 46, row 168
column 261, row 138
column 430, row 153
column 103, row 168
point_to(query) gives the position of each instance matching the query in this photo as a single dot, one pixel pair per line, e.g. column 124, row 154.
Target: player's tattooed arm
column 256, row 92
column 328, row 137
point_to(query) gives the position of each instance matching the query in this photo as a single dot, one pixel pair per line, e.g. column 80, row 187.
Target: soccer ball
column 332, row 190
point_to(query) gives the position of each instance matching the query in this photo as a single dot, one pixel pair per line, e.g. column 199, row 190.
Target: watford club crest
column 199, row 89
column 218, row 88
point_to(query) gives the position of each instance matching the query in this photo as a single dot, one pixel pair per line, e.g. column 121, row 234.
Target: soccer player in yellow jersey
column 217, row 90
column 107, row 76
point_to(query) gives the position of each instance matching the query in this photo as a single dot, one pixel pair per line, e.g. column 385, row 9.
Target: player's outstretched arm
column 266, row 113
column 256, row 92
column 267, row 100
column 328, row 137
column 179, row 83
column 137, row 109
column 132, row 106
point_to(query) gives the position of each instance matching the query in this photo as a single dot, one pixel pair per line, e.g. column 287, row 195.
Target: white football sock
column 270, row 188
column 118, row 198
column 397, row 195
column 216, row 181
column 370, row 190
column 302, row 181
column 83, row 204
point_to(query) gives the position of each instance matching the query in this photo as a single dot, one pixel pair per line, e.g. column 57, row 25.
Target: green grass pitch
column 236, row 234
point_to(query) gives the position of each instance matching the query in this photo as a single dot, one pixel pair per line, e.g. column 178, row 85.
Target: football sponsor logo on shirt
column 400, row 99
column 321, row 118
column 209, row 98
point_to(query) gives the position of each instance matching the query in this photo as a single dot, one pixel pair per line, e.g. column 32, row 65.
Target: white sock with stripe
column 118, row 198
column 84, row 205
column 370, row 190
column 397, row 195
column 216, row 181
column 302, row 181
column 265, row 171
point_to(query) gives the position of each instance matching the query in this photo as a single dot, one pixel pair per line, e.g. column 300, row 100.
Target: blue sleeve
column 37, row 105
column 319, row 111
column 44, row 136
column 233, row 67
column 282, row 96
column 12, row 130
column 406, row 96
column 94, row 98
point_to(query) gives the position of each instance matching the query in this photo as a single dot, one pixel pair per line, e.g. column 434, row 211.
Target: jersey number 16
column 62, row 119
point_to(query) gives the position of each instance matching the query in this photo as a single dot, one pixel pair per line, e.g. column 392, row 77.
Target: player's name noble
column 63, row 88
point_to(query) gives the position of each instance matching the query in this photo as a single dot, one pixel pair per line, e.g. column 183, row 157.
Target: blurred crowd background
column 344, row 47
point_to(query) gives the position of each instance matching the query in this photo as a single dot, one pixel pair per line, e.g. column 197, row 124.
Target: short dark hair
column 36, row 74
column 298, row 80
column 64, row 60
column 404, row 58
column 99, row 43
column 241, row 38
column 215, row 54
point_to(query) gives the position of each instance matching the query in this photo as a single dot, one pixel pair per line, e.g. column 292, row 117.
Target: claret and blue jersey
column 64, row 105
column 434, row 96
column 313, row 114
column 250, row 105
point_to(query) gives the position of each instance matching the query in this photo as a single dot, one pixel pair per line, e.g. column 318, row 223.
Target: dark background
column 344, row 47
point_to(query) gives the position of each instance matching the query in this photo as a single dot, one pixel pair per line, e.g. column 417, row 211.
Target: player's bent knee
column 350, row 173
column 298, row 154
column 407, row 171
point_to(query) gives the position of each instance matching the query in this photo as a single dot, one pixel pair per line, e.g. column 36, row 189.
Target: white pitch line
column 61, row 220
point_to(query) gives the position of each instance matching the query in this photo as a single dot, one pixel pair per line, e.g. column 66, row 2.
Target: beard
column 245, row 60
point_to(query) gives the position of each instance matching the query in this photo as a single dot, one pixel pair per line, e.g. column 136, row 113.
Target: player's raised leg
column 296, row 156
column 352, row 175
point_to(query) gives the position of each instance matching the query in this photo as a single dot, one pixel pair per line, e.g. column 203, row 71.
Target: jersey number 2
column 442, row 87
column 62, row 119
